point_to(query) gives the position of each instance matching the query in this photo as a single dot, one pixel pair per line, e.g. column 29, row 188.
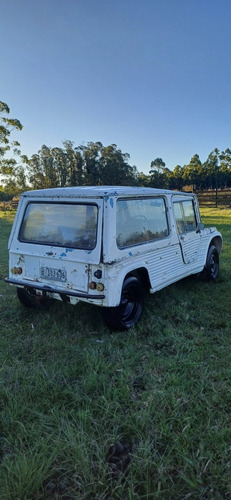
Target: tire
column 29, row 298
column 211, row 269
column 129, row 311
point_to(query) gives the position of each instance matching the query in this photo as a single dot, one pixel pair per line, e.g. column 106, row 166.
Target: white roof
column 98, row 191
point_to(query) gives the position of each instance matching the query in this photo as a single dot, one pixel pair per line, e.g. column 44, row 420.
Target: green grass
column 70, row 389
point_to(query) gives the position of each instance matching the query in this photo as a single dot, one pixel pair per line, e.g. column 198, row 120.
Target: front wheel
column 129, row 311
column 211, row 268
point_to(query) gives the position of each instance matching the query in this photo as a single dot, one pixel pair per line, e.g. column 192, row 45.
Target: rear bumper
column 50, row 289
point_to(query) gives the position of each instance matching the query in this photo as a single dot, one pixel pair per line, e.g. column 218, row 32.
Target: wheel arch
column 117, row 278
column 142, row 274
column 128, row 312
column 217, row 242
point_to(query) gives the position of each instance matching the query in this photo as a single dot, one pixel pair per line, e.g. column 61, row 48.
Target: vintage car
column 105, row 245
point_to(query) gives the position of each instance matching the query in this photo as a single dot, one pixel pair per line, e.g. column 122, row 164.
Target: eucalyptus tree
column 177, row 180
column 211, row 169
column 225, row 168
column 192, row 173
column 42, row 169
column 7, row 125
column 91, row 154
column 159, row 174
column 73, row 164
column 35, row 172
column 9, row 149
column 61, row 165
column 156, row 173
column 143, row 179
column 114, row 168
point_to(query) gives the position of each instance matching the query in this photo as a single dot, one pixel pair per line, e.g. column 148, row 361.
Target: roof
column 98, row 191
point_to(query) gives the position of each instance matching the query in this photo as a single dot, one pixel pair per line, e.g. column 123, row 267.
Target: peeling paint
column 21, row 259
column 111, row 202
column 62, row 255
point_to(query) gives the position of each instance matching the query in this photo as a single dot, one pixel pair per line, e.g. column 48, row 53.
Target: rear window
column 140, row 220
column 60, row 224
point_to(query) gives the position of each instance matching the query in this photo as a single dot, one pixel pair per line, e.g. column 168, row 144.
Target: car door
column 187, row 228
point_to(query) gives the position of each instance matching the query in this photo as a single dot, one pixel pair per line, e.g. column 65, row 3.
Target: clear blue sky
column 152, row 76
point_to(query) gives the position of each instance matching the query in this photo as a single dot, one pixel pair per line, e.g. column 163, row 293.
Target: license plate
column 51, row 273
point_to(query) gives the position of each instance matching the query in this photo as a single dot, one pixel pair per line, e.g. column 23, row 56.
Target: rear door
column 56, row 241
column 187, row 224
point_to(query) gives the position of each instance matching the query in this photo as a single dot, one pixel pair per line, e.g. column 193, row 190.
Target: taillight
column 16, row 270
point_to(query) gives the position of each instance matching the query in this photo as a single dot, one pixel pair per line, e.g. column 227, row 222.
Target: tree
column 225, row 169
column 7, row 125
column 157, row 165
column 177, row 181
column 73, row 164
column 143, row 179
column 93, row 164
column 114, row 168
column 35, row 172
column 3, row 195
column 159, row 174
column 61, row 165
column 211, row 169
column 42, row 170
column 192, row 173
column 9, row 149
column 91, row 156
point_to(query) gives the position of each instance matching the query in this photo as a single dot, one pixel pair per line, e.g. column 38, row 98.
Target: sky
column 152, row 76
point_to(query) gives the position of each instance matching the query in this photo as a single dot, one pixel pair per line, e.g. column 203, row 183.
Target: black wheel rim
column 213, row 265
column 130, row 306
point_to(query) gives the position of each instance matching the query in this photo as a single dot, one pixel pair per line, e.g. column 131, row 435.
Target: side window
column 140, row 221
column 185, row 216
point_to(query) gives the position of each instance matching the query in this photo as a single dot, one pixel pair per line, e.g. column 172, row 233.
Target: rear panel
column 55, row 243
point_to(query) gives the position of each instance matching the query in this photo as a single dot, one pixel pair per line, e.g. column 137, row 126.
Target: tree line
column 96, row 164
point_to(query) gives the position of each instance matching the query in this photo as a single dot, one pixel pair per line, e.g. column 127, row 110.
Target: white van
column 105, row 245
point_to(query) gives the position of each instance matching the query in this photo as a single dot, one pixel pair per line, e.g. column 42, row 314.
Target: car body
column 105, row 244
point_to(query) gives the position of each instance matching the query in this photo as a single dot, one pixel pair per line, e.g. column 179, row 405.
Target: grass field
column 71, row 391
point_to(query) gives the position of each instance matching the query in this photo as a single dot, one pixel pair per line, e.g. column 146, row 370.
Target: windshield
column 60, row 224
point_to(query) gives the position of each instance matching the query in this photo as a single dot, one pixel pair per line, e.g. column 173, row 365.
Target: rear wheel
column 129, row 311
column 29, row 298
column 211, row 268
